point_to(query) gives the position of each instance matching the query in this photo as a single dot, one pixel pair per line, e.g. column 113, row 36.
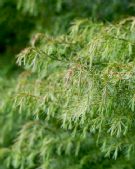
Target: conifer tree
column 72, row 104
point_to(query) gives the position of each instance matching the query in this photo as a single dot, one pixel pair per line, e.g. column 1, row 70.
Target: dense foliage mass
column 71, row 104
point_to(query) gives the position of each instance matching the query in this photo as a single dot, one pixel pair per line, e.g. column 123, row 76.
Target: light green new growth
column 77, row 99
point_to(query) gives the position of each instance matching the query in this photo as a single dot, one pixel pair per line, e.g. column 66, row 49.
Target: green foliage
column 19, row 18
column 72, row 103
column 76, row 99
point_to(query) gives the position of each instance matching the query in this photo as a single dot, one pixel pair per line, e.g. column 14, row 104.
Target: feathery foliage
column 73, row 104
column 77, row 98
